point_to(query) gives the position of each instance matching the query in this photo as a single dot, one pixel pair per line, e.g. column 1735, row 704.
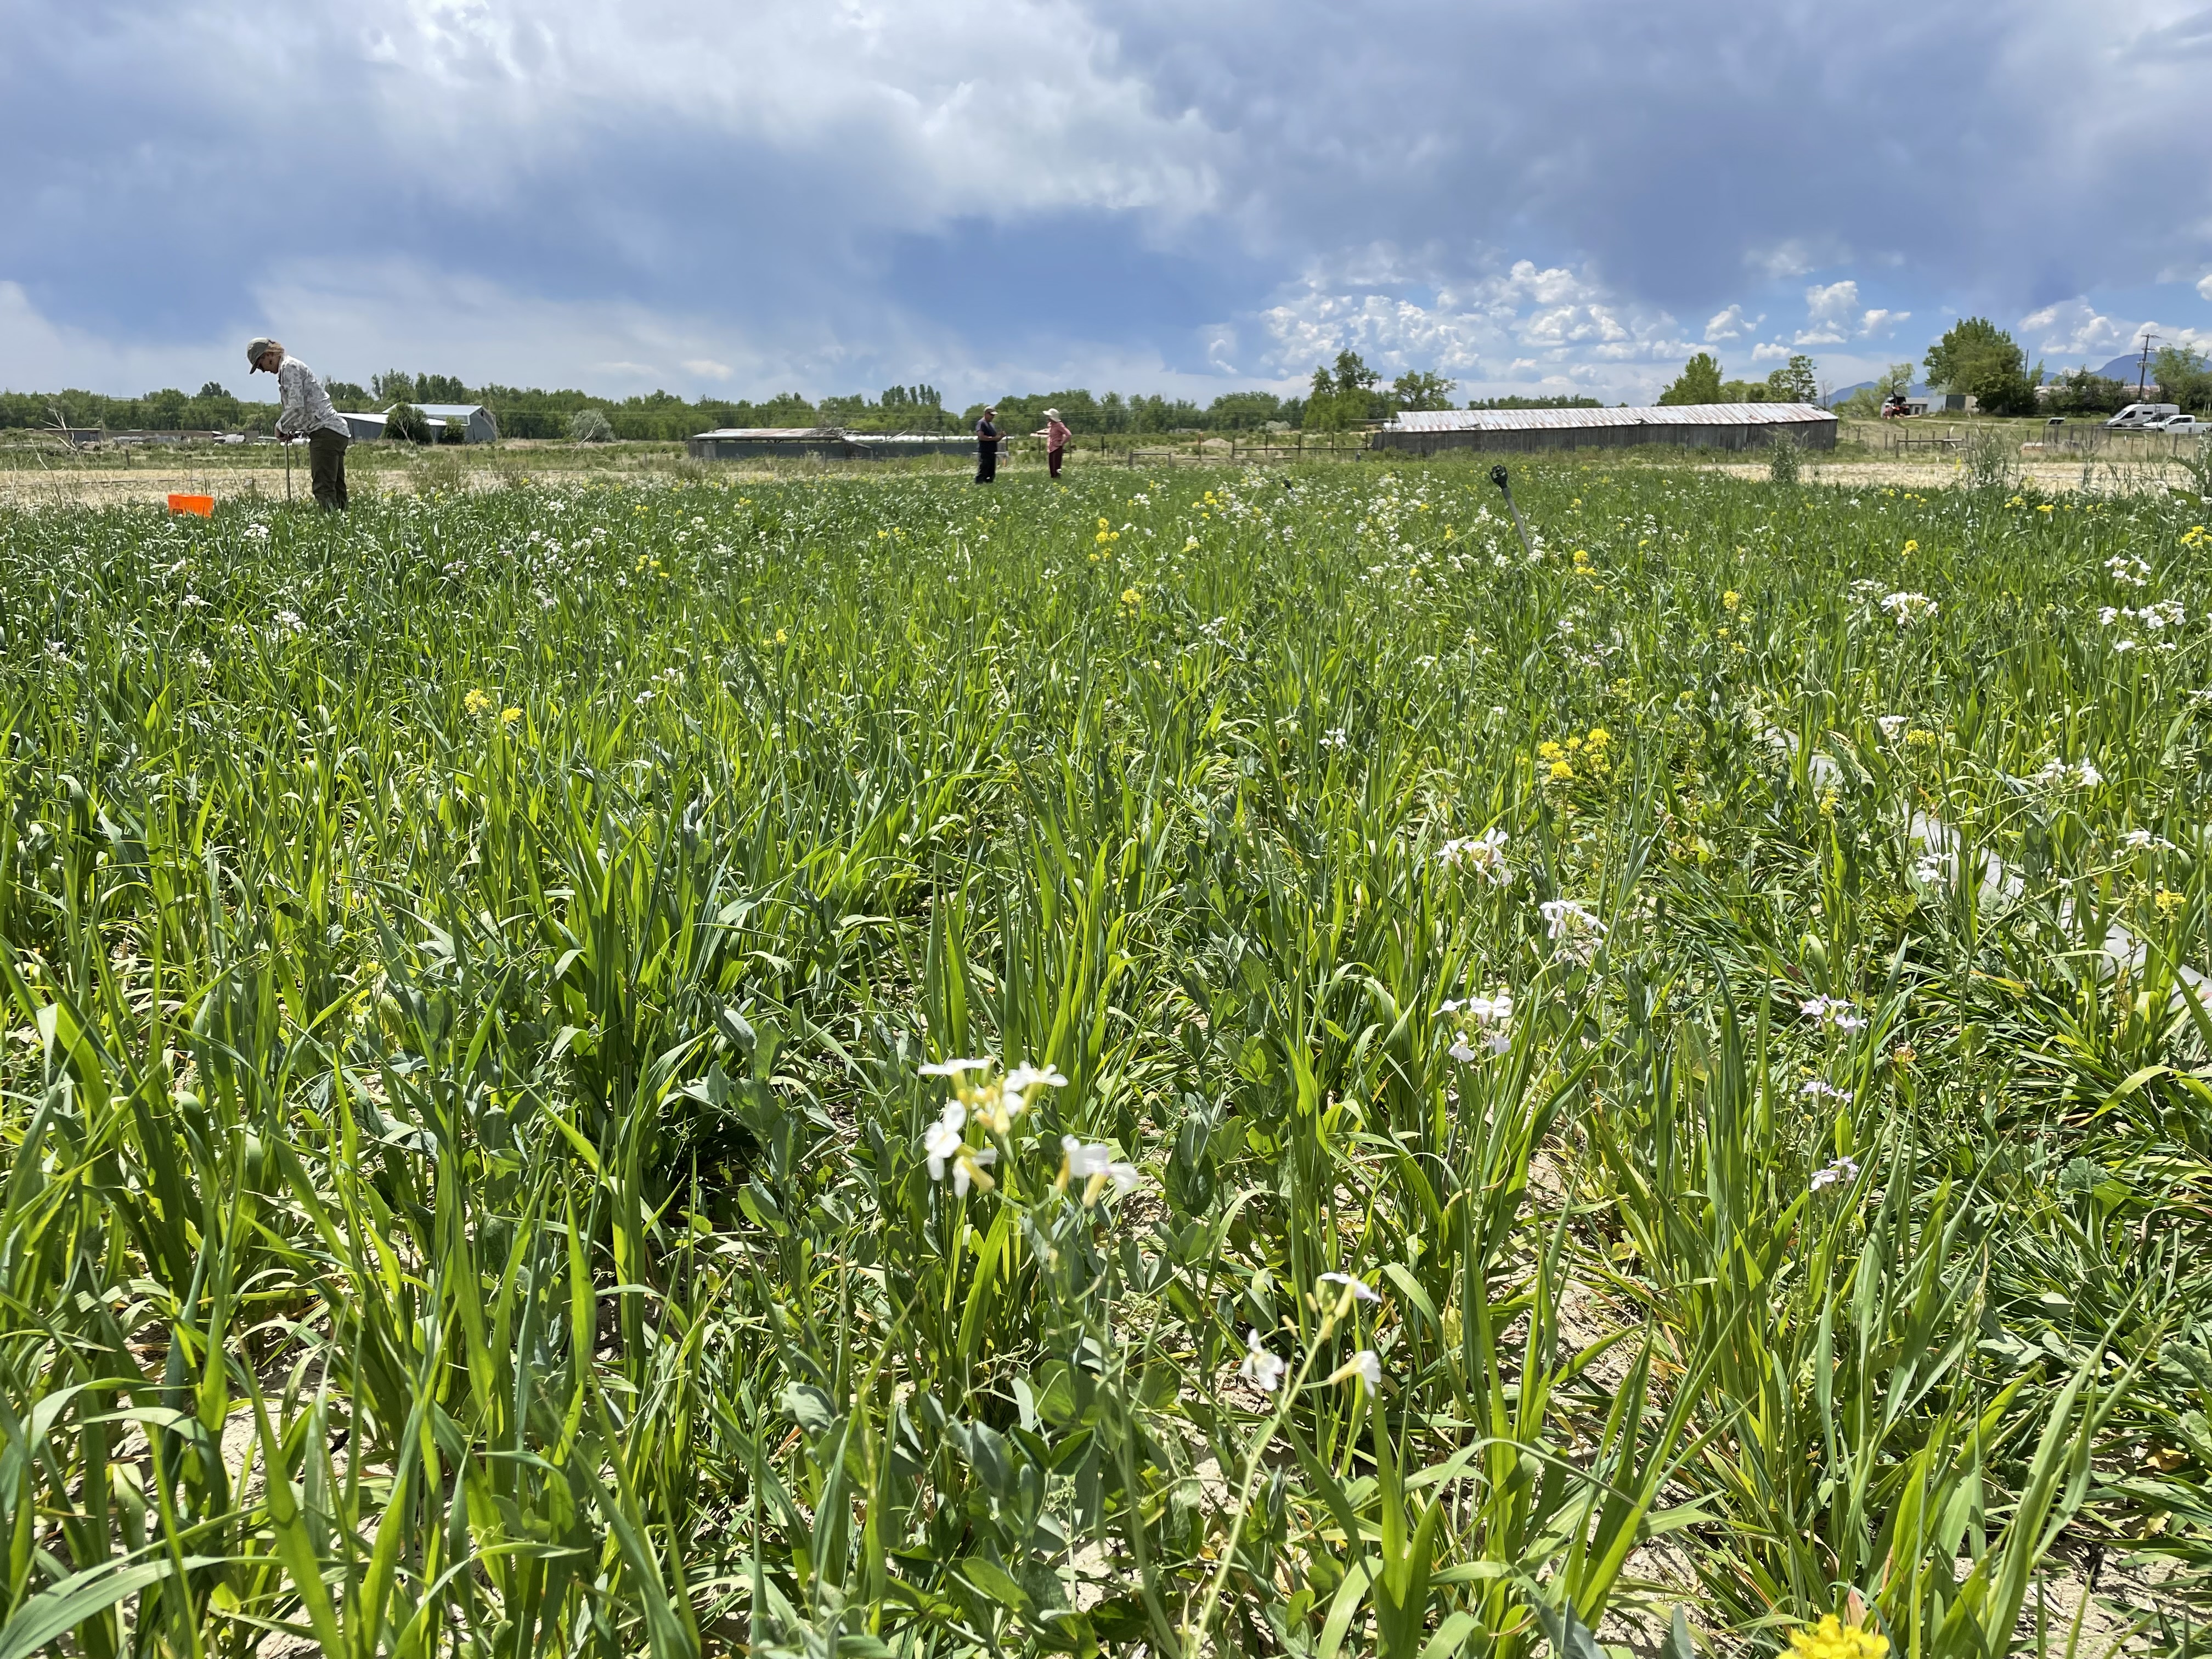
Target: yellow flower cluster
column 1731, row 599
column 1107, row 535
column 2195, row 536
column 1832, row 1638
column 478, row 702
column 1592, row 749
column 1131, row 597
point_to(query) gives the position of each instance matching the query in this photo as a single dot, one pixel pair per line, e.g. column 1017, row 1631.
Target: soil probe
column 288, row 480
column 1497, row 477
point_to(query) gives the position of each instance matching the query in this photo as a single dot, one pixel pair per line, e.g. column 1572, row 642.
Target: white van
column 2141, row 415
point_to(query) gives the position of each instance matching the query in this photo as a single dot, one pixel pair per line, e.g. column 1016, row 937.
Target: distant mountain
column 2123, row 368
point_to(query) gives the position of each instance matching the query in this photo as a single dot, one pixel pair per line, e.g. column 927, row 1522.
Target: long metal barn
column 1697, row 426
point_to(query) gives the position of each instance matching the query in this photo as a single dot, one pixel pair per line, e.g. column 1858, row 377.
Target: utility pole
column 2142, row 368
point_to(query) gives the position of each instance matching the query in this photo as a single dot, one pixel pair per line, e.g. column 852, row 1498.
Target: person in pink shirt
column 1055, row 435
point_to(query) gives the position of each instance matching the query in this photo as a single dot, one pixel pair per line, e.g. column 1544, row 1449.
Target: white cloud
column 1768, row 352
column 2205, row 287
column 1834, row 317
column 2074, row 328
column 1505, row 328
column 708, row 369
column 1781, row 261
column 1731, row 325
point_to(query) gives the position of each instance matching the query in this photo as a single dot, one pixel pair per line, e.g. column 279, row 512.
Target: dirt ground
column 63, row 484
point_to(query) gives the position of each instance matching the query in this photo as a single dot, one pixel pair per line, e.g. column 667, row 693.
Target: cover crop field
column 1228, row 1063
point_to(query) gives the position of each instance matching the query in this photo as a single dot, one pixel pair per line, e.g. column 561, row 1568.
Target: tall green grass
column 472, row 969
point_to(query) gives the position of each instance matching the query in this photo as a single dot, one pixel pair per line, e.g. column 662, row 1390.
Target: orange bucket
column 202, row 505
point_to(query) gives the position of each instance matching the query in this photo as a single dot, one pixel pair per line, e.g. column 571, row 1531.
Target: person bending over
column 305, row 411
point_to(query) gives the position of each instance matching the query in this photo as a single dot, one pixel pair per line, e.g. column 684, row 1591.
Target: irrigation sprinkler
column 1497, row 477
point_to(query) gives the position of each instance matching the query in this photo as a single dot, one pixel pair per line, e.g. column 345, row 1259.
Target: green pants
column 326, row 468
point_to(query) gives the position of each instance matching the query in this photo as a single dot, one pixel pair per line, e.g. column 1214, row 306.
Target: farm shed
column 1713, row 426
column 363, row 428
column 475, row 420
column 829, row 443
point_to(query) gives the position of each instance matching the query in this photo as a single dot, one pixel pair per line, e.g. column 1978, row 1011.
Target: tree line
column 1975, row 358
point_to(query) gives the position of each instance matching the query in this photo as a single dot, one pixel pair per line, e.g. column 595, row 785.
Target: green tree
column 1699, row 382
column 392, row 386
column 1421, row 390
column 1794, row 382
column 1977, row 357
column 1743, row 391
column 403, row 423
column 2183, row 375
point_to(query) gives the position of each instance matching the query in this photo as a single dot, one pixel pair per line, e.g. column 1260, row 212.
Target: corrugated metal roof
column 1533, row 419
column 767, row 432
column 453, row 411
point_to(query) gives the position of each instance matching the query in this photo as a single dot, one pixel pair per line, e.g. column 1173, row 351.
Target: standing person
column 1055, row 436
column 986, row 446
column 305, row 411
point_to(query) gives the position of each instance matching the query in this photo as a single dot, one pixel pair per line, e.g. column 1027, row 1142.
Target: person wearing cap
column 1055, row 435
column 986, row 446
column 305, row 411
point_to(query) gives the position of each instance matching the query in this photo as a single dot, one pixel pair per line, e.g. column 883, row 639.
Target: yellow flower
column 1599, row 737
column 1103, row 525
column 1731, row 598
column 2046, row 507
column 783, row 636
column 1911, row 547
column 509, row 716
column 478, row 702
column 1582, row 559
column 1833, row 1639
column 1190, row 544
column 1547, row 750
column 1131, row 597
column 2168, row 901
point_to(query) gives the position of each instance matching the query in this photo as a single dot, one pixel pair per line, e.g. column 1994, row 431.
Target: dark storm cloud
column 1038, row 190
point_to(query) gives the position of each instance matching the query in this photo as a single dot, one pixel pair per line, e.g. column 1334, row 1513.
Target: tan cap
column 256, row 349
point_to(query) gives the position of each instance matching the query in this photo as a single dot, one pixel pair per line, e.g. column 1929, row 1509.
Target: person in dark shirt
column 986, row 446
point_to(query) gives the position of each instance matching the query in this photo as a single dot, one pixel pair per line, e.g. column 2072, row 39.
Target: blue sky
column 1028, row 195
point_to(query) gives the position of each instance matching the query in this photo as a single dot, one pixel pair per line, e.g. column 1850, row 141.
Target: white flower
column 2090, row 777
column 1358, row 1286
column 1084, row 1162
column 1843, row 1169
column 969, row 1166
column 2137, row 841
column 1565, row 919
column 1483, row 854
column 1834, row 1012
column 1909, row 608
column 953, row 1067
column 1891, row 726
column 1261, row 1369
column 1368, row 1365
column 1022, row 1078
column 1814, row 1089
column 193, row 602
column 289, row 619
column 1335, row 737
column 942, row 1139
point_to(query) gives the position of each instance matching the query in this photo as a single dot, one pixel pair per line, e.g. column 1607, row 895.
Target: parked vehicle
column 2189, row 423
column 2135, row 416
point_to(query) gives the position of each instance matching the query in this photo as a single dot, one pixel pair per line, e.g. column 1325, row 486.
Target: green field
column 482, row 1175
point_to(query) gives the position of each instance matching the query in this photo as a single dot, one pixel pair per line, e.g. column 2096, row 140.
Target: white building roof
column 1533, row 419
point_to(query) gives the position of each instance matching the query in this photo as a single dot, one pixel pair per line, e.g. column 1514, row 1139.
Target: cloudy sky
column 1524, row 195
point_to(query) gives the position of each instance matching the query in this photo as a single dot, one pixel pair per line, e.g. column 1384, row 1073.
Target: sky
column 1523, row 195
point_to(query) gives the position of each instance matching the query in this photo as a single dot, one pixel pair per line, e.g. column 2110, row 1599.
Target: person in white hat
column 1055, row 435
column 305, row 411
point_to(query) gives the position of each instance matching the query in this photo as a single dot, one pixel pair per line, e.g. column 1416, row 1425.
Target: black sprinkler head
column 1498, row 475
